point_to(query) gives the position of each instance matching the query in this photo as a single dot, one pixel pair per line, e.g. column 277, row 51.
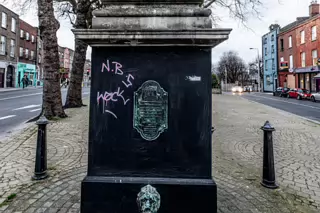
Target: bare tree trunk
column 48, row 25
column 74, row 96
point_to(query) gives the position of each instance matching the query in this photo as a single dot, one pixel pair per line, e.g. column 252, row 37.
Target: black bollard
column 40, row 171
column 268, row 175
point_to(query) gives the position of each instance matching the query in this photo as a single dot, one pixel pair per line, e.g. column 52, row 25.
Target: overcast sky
column 241, row 39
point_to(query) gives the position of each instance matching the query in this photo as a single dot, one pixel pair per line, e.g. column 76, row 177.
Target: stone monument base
column 119, row 194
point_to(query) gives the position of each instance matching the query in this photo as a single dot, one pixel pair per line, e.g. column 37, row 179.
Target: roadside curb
column 19, row 89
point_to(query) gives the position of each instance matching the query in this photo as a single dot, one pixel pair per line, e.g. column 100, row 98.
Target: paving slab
column 237, row 160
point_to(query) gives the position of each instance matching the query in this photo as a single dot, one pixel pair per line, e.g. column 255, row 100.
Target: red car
column 299, row 93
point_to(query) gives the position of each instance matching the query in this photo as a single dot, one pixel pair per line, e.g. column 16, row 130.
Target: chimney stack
column 314, row 8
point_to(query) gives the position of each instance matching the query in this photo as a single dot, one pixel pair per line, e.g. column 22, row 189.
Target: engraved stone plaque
column 150, row 116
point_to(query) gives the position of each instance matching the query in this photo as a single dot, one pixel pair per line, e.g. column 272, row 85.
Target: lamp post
column 259, row 67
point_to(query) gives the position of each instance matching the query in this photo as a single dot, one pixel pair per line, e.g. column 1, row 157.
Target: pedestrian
column 27, row 81
column 24, row 81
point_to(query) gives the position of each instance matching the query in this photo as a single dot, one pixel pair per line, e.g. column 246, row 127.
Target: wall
column 285, row 53
column 28, row 44
column 309, row 45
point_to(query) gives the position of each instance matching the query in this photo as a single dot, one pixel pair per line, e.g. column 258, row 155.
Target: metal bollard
column 268, row 175
column 40, row 171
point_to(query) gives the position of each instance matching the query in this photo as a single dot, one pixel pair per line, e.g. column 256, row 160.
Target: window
column 27, row 53
column 266, row 65
column 265, row 51
column 290, row 61
column 268, row 80
column 272, row 50
column 303, row 59
column 21, row 52
column 273, row 65
column 13, row 25
column 265, row 40
column 272, row 38
column 3, row 45
column 32, row 55
column 314, row 33
column 302, row 37
column 314, row 57
column 32, row 39
column 21, row 33
column 290, row 41
column 12, row 47
column 4, row 20
column 281, row 59
column 27, row 36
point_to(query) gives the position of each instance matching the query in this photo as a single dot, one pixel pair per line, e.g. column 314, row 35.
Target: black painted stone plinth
column 118, row 194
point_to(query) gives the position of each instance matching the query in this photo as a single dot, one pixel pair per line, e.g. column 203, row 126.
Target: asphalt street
column 19, row 106
column 303, row 108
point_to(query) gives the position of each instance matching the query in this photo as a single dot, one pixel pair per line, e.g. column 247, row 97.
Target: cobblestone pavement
column 67, row 151
column 236, row 167
column 237, row 144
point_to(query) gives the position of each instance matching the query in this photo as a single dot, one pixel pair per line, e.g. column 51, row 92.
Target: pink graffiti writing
column 128, row 80
column 107, row 97
column 116, row 69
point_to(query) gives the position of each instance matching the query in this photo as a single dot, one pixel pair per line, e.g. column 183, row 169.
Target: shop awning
column 317, row 76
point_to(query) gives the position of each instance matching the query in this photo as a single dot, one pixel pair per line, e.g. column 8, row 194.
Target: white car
column 237, row 89
column 315, row 97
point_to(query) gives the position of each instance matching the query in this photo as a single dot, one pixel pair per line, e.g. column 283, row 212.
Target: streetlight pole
column 226, row 73
column 259, row 67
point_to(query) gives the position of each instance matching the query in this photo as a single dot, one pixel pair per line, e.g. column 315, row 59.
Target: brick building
column 9, row 34
column 66, row 59
column 287, row 52
column 27, row 65
column 299, row 44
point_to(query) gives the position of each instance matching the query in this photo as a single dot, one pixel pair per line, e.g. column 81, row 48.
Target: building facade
column 9, row 35
column 308, row 46
column 298, row 49
column 27, row 65
column 270, row 59
column 66, row 59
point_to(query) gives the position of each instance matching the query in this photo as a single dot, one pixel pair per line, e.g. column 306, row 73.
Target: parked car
column 299, row 93
column 315, row 97
column 237, row 89
column 281, row 92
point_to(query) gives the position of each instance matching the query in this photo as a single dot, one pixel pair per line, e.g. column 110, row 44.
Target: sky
column 241, row 38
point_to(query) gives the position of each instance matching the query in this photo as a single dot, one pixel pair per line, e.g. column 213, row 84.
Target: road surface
column 304, row 108
column 17, row 107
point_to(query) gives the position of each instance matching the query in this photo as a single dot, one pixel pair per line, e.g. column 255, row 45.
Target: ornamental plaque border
column 164, row 97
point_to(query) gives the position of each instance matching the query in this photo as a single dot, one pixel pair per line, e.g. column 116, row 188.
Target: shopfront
column 306, row 79
column 28, row 70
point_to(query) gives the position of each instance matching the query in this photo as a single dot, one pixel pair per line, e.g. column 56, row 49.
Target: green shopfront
column 30, row 71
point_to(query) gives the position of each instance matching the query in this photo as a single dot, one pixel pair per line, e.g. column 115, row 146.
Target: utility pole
column 225, row 68
column 259, row 67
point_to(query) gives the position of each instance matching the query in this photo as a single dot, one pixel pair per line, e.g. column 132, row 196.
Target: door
column 10, row 76
column 19, row 78
column 1, row 78
column 31, row 79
